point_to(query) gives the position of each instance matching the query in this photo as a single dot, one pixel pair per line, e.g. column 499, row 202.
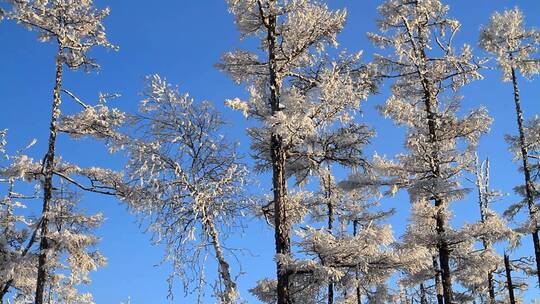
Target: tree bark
column 529, row 187
column 358, row 291
column 430, row 102
column 438, row 284
column 509, row 284
column 230, row 293
column 482, row 183
column 330, row 228
column 423, row 299
column 48, row 169
column 279, row 182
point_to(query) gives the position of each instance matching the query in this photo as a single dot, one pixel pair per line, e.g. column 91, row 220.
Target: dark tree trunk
column 431, row 102
column 279, row 181
column 358, row 291
column 529, row 188
column 444, row 257
column 423, row 299
column 4, row 289
column 438, row 284
column 330, row 229
column 440, row 218
column 48, row 172
column 509, row 284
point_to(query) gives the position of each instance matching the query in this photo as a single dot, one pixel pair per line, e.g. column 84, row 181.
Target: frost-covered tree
column 71, row 255
column 294, row 90
column 186, row 180
column 482, row 265
column 18, row 233
column 516, row 50
column 340, row 264
column 428, row 70
column 75, row 27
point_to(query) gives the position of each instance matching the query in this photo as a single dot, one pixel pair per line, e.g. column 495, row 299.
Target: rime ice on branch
column 295, row 92
column 427, row 70
column 516, row 50
column 186, row 180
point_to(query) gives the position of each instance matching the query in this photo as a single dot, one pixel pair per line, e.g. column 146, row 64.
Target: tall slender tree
column 294, row 91
column 427, row 70
column 516, row 51
column 75, row 27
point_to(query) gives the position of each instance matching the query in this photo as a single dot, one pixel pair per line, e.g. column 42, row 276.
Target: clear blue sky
column 182, row 40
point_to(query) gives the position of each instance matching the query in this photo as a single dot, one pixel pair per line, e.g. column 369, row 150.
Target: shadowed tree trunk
column 509, row 284
column 358, row 291
column 529, row 187
column 48, row 171
column 423, row 299
column 330, row 227
column 438, row 284
column 279, row 182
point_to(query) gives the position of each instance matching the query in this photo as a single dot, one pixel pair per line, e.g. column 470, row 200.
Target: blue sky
column 182, row 40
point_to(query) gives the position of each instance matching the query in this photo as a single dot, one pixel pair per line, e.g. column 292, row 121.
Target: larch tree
column 339, row 264
column 516, row 51
column 76, row 27
column 72, row 254
column 428, row 70
column 187, row 181
column 294, row 90
column 481, row 265
column 18, row 232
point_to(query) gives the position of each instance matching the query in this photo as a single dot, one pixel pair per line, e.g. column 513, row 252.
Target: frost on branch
column 186, row 180
column 512, row 45
column 532, row 143
column 76, row 26
column 428, row 70
column 72, row 255
column 98, row 121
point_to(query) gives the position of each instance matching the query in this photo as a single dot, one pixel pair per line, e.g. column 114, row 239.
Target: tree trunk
column 529, row 188
column 509, row 284
column 430, row 102
column 230, row 293
column 330, row 228
column 438, row 284
column 482, row 183
column 358, row 291
column 444, row 256
column 48, row 172
column 423, row 299
column 441, row 220
column 281, row 224
column 4, row 289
